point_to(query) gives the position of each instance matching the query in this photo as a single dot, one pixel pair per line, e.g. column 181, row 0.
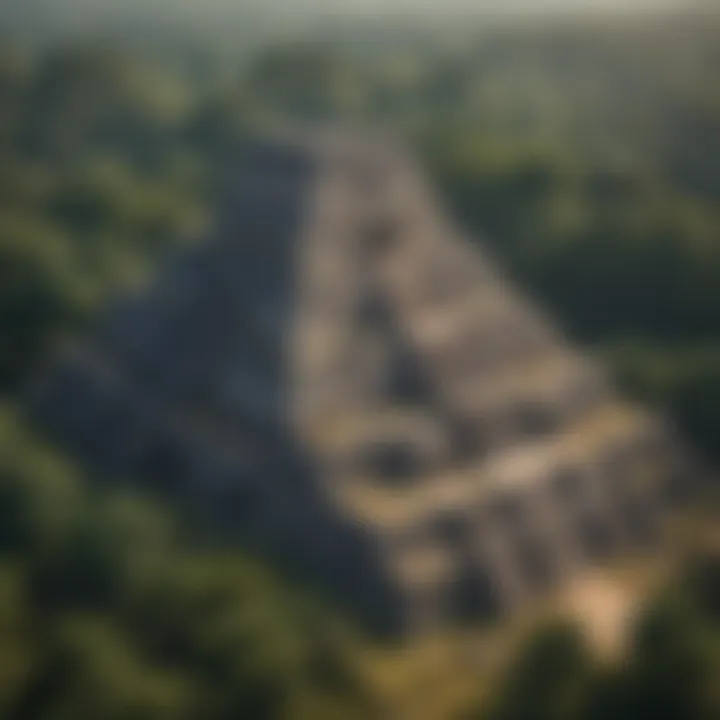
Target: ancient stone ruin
column 341, row 377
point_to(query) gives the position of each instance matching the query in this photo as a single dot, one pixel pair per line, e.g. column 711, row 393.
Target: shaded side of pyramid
column 341, row 377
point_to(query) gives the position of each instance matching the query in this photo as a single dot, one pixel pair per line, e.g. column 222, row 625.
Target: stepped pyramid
column 344, row 379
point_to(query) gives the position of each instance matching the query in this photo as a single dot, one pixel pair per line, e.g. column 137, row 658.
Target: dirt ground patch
column 605, row 607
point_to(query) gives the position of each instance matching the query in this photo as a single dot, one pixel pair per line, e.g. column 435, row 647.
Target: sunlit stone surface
column 340, row 377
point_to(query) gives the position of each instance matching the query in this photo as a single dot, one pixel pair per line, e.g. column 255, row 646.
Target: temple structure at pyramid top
column 342, row 377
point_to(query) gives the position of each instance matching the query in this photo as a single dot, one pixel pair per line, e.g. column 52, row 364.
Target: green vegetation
column 587, row 159
column 669, row 671
column 108, row 611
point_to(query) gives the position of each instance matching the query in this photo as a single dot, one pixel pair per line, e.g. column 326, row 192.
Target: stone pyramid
column 338, row 375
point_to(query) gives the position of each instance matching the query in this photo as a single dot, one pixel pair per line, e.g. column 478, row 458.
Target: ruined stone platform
column 341, row 376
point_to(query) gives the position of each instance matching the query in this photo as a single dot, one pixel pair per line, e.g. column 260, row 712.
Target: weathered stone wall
column 337, row 375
